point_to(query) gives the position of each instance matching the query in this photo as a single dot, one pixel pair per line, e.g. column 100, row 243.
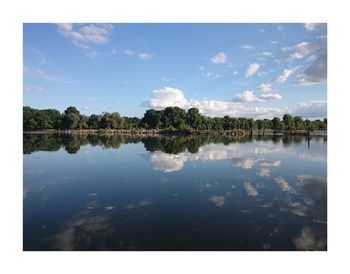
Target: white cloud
column 144, row 56
column 235, row 72
column 252, row 69
column 298, row 51
column 313, row 55
column 315, row 27
column 33, row 88
column 129, row 52
column 316, row 65
column 88, row 33
column 266, row 54
column 270, row 96
column 166, row 97
column 249, row 97
column 85, row 108
column 284, row 76
column 273, row 42
column 265, row 87
column 246, row 46
column 218, row 58
column 311, row 109
column 246, row 97
column 114, row 51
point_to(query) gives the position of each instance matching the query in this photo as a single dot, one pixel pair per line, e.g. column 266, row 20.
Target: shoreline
column 164, row 132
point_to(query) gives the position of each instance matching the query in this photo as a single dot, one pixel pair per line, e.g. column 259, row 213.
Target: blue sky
column 250, row 70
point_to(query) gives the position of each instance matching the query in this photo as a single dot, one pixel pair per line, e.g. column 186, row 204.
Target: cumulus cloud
column 313, row 54
column 315, row 27
column 298, row 51
column 218, row 58
column 247, row 46
column 270, row 96
column 284, row 75
column 246, row 97
column 249, row 97
column 166, row 97
column 85, row 35
column 311, row 109
column 266, row 54
column 252, row 69
column 316, row 70
column 88, row 33
column 265, row 87
column 144, row 56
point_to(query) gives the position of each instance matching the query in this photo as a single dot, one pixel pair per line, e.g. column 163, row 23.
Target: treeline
column 169, row 118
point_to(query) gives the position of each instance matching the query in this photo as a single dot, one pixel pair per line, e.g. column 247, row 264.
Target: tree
column 276, row 123
column 288, row 122
column 71, row 118
column 298, row 122
column 193, row 118
column 111, row 120
column 152, row 119
column 174, row 117
column 94, row 121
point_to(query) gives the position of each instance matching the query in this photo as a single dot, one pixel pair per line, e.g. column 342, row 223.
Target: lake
column 200, row 193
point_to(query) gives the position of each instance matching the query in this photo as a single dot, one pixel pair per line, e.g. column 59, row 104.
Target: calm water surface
column 174, row 193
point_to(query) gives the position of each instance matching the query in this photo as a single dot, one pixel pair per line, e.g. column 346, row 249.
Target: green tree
column 194, row 118
column 276, row 123
column 288, row 121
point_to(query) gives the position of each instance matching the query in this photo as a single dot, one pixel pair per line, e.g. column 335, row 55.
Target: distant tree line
column 169, row 118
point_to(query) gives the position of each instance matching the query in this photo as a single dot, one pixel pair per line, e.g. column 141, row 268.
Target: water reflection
column 118, row 192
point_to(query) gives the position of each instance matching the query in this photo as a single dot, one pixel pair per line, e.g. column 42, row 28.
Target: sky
column 240, row 70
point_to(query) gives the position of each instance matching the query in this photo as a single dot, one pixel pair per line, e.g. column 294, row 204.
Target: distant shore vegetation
column 170, row 118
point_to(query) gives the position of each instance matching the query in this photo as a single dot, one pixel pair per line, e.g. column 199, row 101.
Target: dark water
column 174, row 193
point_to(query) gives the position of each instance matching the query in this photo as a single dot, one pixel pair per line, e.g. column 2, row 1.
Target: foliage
column 171, row 118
